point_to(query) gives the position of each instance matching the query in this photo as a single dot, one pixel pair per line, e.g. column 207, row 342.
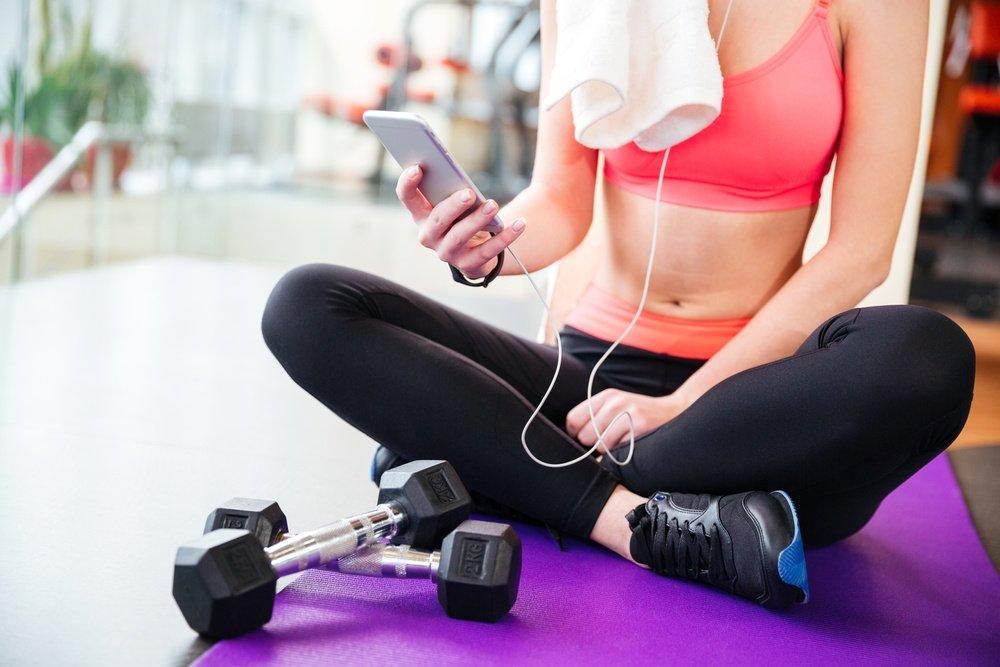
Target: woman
column 748, row 371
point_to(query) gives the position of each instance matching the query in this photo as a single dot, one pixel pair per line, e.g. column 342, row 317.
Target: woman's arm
column 884, row 50
column 559, row 204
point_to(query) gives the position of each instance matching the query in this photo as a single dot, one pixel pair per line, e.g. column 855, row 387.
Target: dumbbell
column 419, row 503
column 476, row 571
column 432, row 497
column 263, row 518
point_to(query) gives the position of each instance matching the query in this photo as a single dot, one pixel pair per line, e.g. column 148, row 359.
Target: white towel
column 635, row 70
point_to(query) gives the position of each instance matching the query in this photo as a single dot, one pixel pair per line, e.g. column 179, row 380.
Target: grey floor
column 133, row 398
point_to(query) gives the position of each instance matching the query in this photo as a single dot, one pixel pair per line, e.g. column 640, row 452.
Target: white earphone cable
column 628, row 329
column 722, row 28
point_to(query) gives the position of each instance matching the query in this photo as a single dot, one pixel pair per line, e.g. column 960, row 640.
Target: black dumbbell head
column 224, row 584
column 433, row 498
column 479, row 571
column 263, row 518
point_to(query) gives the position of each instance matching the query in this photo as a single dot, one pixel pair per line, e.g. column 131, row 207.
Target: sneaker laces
column 679, row 549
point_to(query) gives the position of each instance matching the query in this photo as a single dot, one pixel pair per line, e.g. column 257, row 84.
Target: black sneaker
column 748, row 543
column 384, row 459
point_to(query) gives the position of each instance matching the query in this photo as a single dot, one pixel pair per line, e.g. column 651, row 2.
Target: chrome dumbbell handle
column 326, row 544
column 386, row 560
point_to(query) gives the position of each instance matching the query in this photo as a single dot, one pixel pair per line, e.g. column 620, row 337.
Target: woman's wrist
column 487, row 273
column 682, row 397
column 486, row 268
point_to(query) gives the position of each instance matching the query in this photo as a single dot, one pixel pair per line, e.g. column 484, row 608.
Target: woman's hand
column 460, row 241
column 648, row 413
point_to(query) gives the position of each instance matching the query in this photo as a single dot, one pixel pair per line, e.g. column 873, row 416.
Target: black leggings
column 869, row 398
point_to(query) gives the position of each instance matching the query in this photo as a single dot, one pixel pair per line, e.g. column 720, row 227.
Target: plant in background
column 79, row 85
column 42, row 125
column 117, row 91
column 83, row 84
column 44, row 115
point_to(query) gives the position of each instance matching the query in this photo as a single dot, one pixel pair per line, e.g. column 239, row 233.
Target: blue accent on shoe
column 792, row 559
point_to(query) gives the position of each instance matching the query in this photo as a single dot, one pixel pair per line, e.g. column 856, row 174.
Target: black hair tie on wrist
column 459, row 277
column 487, row 279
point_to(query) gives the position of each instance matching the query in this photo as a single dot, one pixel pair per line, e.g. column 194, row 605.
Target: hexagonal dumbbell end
column 263, row 518
column 433, row 498
column 224, row 584
column 480, row 570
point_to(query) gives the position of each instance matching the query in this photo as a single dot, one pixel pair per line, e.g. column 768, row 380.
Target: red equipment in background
column 979, row 163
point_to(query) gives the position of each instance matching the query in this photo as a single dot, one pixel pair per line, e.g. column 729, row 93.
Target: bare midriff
column 712, row 268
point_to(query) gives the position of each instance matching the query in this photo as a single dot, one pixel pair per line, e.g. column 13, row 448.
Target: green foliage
column 44, row 115
column 83, row 85
column 98, row 87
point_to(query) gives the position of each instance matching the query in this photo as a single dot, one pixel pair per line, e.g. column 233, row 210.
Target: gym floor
column 135, row 397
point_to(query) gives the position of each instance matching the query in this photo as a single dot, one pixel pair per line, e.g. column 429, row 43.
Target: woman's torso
column 709, row 266
column 724, row 264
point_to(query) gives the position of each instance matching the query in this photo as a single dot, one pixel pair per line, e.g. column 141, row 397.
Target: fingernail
column 489, row 207
column 467, row 196
column 518, row 225
column 414, row 172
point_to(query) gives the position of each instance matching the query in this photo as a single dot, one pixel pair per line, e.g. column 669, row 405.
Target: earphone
column 600, row 444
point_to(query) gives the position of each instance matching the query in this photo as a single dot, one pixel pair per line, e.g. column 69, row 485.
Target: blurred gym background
column 232, row 128
column 164, row 162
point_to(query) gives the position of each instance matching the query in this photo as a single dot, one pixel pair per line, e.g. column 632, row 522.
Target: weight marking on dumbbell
column 439, row 485
column 473, row 558
column 263, row 518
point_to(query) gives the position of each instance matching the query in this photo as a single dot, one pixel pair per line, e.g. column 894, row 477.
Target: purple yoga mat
column 914, row 587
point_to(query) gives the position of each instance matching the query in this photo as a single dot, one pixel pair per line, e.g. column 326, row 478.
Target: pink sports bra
column 772, row 144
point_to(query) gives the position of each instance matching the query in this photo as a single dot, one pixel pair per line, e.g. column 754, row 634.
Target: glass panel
column 236, row 127
column 13, row 38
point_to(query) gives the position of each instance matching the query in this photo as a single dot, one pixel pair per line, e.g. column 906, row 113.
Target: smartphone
column 410, row 140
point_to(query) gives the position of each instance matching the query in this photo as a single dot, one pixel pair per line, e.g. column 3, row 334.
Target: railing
column 91, row 134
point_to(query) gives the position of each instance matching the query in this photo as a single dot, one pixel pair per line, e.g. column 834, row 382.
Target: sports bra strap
column 823, row 6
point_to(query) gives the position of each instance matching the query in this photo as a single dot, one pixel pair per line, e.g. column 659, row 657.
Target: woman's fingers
column 454, row 241
column 477, row 258
column 609, row 407
column 618, row 433
column 443, row 216
column 612, row 424
column 579, row 416
column 450, row 239
column 410, row 196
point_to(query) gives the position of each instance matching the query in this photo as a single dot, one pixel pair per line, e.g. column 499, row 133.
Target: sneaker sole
column 792, row 559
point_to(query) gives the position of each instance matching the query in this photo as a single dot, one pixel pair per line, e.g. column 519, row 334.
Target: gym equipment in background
column 980, row 99
column 225, row 582
column 959, row 223
column 510, row 96
column 495, row 87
